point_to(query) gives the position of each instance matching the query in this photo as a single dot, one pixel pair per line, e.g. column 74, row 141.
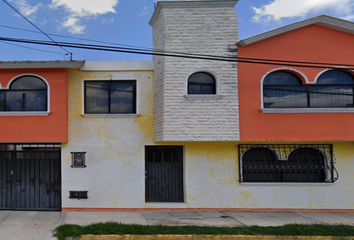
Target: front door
column 30, row 177
column 164, row 174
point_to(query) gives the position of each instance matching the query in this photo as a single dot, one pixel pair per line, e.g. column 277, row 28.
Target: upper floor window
column 116, row 97
column 201, row 83
column 26, row 93
column 333, row 89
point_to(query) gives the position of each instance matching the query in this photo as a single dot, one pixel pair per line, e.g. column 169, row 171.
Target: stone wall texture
column 206, row 29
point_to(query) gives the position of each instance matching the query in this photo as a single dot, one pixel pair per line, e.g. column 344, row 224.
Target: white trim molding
column 338, row 68
column 12, row 114
column 191, row 97
column 322, row 20
column 110, row 115
column 307, row 110
column 190, row 4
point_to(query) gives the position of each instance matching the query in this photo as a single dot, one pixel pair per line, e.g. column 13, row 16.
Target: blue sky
column 126, row 22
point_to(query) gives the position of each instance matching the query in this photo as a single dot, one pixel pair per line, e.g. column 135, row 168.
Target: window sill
column 110, row 115
column 307, row 110
column 287, row 184
column 23, row 114
column 203, row 97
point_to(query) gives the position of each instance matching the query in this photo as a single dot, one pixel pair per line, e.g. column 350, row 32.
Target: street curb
column 203, row 237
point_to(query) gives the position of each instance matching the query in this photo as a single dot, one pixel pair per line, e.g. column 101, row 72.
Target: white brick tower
column 207, row 27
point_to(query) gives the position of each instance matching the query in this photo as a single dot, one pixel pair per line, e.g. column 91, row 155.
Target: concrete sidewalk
column 39, row 225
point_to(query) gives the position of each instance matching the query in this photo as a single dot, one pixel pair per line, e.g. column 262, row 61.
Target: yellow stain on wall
column 145, row 125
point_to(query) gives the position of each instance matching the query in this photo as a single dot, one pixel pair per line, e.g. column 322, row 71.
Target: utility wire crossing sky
column 125, row 23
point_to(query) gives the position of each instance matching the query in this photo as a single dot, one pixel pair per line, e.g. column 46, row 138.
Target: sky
column 125, row 22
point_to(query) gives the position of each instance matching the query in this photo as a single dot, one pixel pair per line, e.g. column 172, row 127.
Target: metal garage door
column 30, row 177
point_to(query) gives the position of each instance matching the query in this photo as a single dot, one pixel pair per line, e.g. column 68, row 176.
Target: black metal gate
column 30, row 177
column 164, row 174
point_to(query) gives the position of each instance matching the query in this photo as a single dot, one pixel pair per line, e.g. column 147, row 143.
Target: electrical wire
column 13, row 8
column 31, row 48
column 131, row 47
column 191, row 56
column 76, row 38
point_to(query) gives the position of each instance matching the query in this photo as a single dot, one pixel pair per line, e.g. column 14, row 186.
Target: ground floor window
column 287, row 163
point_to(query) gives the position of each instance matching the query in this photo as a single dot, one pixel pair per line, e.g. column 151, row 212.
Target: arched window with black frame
column 306, row 164
column 26, row 93
column 257, row 165
column 283, row 89
column 333, row 89
column 201, row 83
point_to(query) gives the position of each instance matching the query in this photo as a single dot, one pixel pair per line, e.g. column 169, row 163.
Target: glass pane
column 331, row 97
column 194, row 89
column 26, row 101
column 28, row 82
column 281, row 78
column 123, row 97
column 2, row 101
column 201, row 78
column 96, row 97
column 208, row 89
column 201, row 83
column 285, row 97
column 335, row 77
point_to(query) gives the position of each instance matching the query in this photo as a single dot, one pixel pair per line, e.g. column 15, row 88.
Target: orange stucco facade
column 51, row 128
column 310, row 44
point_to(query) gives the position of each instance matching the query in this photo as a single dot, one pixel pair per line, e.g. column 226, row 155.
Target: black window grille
column 110, row 97
column 333, row 89
column 201, row 83
column 26, row 93
column 287, row 163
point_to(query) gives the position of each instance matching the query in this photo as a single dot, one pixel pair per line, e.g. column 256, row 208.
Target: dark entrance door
column 164, row 174
column 30, row 177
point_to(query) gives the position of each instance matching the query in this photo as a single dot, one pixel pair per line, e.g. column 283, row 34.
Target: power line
column 131, row 47
column 31, row 48
column 191, row 56
column 13, row 8
column 76, row 38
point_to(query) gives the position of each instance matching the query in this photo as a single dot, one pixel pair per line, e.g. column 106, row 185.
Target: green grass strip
column 64, row 231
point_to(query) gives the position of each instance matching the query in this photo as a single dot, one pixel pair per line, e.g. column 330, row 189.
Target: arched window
column 283, row 90
column 333, row 89
column 308, row 165
column 255, row 165
column 26, row 93
column 201, row 83
column 287, row 163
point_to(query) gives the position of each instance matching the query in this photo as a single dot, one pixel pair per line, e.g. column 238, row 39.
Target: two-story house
column 272, row 131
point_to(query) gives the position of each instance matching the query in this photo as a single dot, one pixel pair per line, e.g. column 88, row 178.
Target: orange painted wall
column 314, row 44
column 52, row 128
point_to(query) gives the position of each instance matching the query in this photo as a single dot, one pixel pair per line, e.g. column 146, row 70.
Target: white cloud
column 26, row 9
column 74, row 26
column 278, row 9
column 79, row 10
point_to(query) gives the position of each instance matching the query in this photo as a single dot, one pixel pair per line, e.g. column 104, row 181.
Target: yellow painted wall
column 115, row 172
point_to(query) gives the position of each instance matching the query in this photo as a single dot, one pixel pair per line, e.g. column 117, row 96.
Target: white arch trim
column 43, row 113
column 215, row 96
column 282, row 69
column 334, row 68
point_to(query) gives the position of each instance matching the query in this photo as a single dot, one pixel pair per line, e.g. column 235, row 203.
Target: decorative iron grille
column 287, row 163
